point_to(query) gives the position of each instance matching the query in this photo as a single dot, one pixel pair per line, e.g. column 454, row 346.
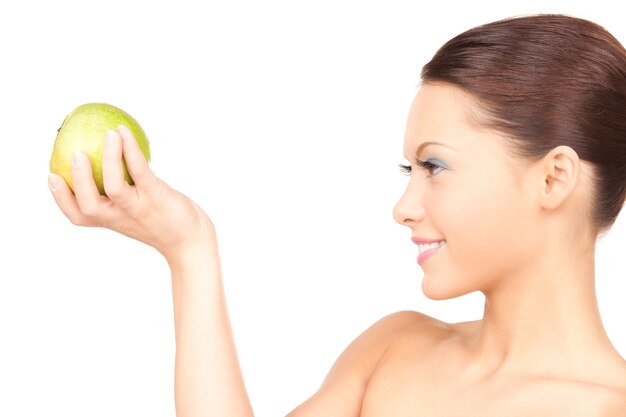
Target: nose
column 409, row 210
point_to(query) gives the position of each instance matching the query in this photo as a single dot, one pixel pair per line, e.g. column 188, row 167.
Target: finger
column 66, row 200
column 115, row 186
column 87, row 195
column 136, row 162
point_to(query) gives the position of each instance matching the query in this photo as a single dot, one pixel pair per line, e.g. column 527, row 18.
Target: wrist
column 201, row 246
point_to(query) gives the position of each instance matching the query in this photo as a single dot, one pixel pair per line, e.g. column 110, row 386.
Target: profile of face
column 476, row 196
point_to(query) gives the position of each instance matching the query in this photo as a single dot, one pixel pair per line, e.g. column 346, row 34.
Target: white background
column 284, row 120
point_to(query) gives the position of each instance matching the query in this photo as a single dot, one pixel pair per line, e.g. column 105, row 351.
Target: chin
column 441, row 289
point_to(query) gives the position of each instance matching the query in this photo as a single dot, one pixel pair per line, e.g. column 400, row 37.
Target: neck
column 544, row 320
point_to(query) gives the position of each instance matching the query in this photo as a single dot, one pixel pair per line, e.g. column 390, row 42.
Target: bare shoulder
column 408, row 323
column 410, row 329
column 612, row 400
column 342, row 392
column 397, row 328
column 615, row 405
column 578, row 398
column 608, row 395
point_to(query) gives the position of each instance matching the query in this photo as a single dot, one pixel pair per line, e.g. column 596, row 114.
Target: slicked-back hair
column 545, row 81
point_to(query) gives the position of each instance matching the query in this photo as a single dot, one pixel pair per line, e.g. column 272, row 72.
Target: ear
column 559, row 171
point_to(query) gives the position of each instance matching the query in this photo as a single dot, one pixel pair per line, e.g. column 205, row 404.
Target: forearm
column 208, row 379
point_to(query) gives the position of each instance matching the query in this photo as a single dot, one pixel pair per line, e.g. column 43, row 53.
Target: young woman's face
column 473, row 196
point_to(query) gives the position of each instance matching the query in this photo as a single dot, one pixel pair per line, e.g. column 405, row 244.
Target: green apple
column 84, row 129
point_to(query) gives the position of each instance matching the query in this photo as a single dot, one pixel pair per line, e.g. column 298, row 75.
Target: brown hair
column 545, row 81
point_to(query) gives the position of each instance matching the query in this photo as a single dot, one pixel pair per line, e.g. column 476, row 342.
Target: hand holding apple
column 83, row 130
column 149, row 211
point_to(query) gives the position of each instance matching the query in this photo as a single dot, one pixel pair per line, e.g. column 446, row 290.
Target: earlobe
column 561, row 167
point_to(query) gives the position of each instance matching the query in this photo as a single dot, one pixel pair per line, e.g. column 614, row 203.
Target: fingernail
column 77, row 159
column 122, row 127
column 53, row 182
column 108, row 141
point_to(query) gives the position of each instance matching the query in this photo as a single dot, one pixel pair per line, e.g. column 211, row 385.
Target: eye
column 430, row 167
column 427, row 165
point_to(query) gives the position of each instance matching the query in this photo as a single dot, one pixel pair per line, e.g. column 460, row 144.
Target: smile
column 423, row 247
column 426, row 250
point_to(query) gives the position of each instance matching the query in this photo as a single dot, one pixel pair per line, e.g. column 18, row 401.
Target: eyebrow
column 425, row 144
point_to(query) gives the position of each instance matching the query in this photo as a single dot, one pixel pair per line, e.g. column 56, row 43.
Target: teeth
column 427, row 246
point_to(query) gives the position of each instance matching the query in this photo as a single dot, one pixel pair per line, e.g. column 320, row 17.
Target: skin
column 516, row 231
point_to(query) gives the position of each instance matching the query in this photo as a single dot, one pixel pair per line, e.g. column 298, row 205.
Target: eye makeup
column 430, row 165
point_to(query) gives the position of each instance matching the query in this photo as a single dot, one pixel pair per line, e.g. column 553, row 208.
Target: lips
column 427, row 247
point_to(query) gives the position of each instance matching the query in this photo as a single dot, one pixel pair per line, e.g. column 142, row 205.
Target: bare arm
column 208, row 380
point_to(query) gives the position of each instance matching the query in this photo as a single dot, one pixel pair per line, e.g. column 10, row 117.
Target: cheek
column 481, row 222
column 487, row 215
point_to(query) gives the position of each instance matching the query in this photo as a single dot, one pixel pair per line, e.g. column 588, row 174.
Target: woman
column 517, row 143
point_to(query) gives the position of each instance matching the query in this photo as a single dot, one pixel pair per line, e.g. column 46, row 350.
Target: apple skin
column 84, row 129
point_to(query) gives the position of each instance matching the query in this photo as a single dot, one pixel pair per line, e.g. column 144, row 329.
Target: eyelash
column 406, row 169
